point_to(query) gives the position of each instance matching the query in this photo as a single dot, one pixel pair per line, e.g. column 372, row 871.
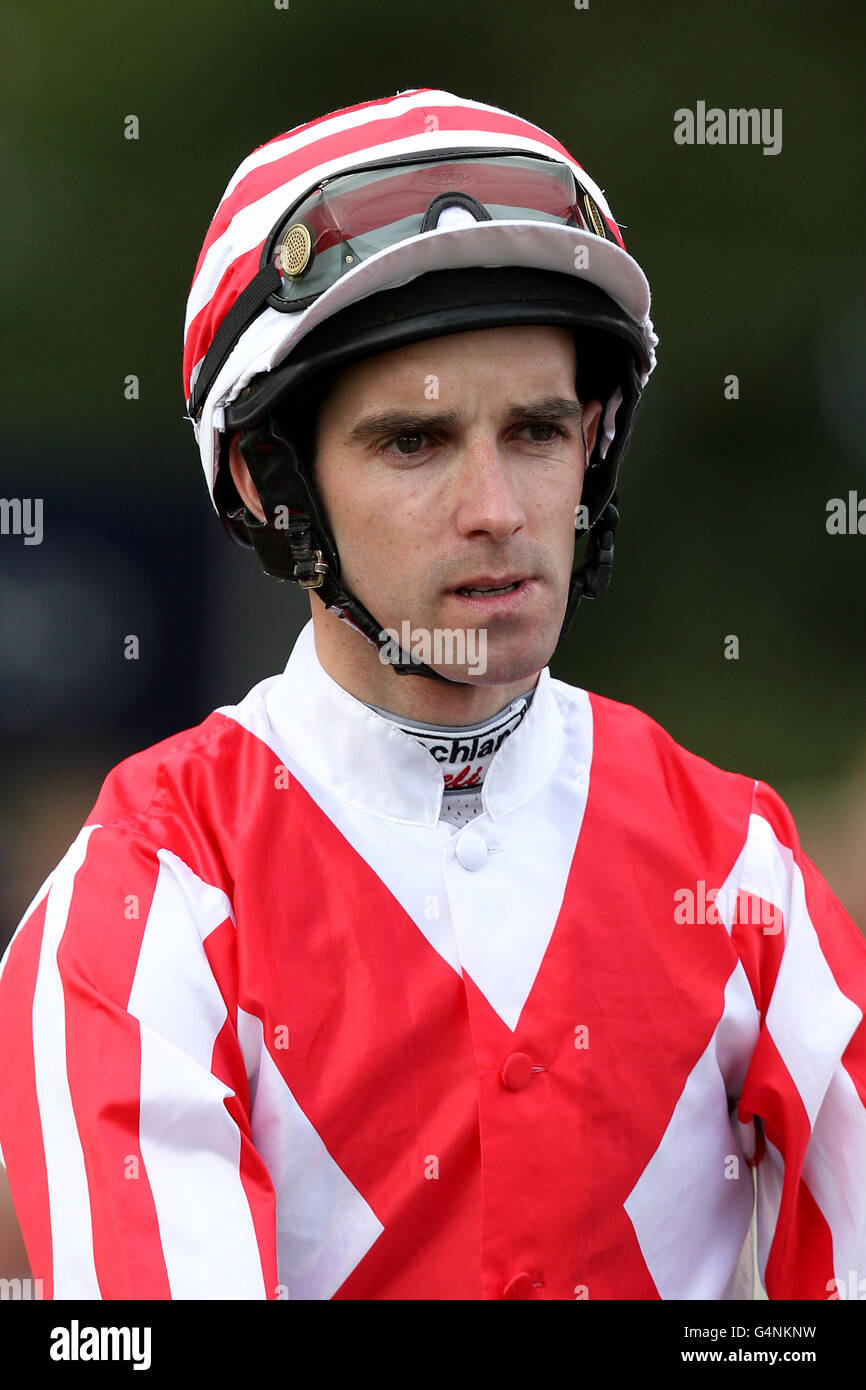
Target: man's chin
column 497, row 652
column 495, row 662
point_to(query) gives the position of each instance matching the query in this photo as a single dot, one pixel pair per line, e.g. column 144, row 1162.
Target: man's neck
column 464, row 755
column 355, row 666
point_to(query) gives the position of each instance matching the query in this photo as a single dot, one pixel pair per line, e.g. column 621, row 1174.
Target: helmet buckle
column 310, row 571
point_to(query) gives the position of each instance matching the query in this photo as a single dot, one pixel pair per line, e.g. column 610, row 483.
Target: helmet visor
column 346, row 219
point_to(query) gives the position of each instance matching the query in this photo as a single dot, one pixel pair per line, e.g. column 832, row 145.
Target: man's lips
column 499, row 602
column 488, row 581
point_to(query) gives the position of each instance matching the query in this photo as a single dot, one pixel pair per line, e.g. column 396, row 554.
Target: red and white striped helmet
column 276, row 177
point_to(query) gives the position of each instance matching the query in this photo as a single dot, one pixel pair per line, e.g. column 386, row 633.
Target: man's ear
column 242, row 480
column 591, row 421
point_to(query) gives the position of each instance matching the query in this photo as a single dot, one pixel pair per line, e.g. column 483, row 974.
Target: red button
column 517, row 1071
column 519, row 1287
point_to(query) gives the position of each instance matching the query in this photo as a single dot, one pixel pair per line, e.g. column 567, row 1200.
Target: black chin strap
column 295, row 542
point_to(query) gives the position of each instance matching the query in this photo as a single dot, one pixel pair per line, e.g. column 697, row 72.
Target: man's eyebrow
column 386, row 422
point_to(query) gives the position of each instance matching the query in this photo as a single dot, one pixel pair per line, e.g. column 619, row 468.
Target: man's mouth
column 486, row 587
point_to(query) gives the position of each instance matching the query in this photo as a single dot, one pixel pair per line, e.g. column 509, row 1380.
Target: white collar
column 368, row 761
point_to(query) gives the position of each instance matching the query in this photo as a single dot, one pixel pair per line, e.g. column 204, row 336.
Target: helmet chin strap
column 588, row 581
column 295, row 542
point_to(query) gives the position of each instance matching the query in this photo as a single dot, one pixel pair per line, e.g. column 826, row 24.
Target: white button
column 471, row 850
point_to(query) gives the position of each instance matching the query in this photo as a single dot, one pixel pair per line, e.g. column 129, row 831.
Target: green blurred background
column 756, row 267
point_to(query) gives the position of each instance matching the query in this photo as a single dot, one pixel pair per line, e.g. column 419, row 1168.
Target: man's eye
column 545, row 425
column 414, row 437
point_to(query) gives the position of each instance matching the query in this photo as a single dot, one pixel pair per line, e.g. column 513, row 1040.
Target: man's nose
column 486, row 486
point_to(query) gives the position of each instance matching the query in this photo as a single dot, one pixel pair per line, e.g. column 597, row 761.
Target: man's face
column 458, row 463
